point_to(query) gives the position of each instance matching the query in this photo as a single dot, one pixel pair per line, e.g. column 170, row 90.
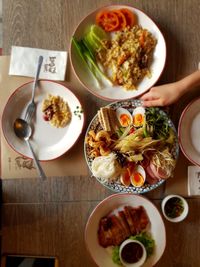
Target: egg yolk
column 138, row 119
column 137, row 179
column 125, row 120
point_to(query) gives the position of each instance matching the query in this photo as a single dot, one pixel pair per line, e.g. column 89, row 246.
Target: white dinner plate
column 48, row 142
column 157, row 228
column 117, row 93
column 189, row 131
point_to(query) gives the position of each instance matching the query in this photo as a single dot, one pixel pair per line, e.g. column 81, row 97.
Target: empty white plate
column 189, row 131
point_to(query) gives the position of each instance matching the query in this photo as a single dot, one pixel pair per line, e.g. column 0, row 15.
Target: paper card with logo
column 24, row 59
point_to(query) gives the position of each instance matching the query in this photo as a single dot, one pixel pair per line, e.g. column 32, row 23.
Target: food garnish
column 78, row 112
column 56, row 111
column 86, row 49
column 115, row 20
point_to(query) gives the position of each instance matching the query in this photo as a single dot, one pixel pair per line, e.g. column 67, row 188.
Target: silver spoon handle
column 37, row 164
column 40, row 60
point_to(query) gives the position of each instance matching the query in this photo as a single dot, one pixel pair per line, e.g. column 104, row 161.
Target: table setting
column 122, row 164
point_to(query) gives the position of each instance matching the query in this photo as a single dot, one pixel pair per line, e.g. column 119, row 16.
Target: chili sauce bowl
column 175, row 208
column 132, row 253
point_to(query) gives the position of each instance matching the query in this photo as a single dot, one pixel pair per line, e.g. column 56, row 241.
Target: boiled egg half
column 138, row 176
column 138, row 116
column 124, row 117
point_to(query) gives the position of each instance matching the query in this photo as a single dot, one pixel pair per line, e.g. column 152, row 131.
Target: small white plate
column 157, row 228
column 48, row 142
column 189, row 131
column 117, row 93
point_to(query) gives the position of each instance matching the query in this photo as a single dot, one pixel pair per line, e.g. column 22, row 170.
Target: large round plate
column 118, row 187
column 48, row 142
column 117, row 93
column 188, row 131
column 157, row 228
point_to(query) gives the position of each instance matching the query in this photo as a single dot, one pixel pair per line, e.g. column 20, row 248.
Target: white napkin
column 193, row 181
column 24, row 60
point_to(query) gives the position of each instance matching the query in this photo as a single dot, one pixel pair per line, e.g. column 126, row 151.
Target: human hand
column 162, row 95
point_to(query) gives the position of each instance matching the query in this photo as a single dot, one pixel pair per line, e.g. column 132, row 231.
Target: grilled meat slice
column 105, row 235
column 129, row 220
column 139, row 218
column 117, row 230
column 116, row 227
column 123, row 221
column 144, row 219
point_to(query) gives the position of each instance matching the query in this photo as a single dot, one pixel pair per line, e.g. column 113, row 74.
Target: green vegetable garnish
column 157, row 124
column 147, row 241
column 115, row 255
column 86, row 49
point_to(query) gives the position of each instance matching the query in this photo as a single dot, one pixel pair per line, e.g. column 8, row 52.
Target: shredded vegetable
column 163, row 159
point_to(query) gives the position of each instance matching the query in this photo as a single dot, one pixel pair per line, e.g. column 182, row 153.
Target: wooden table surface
column 48, row 218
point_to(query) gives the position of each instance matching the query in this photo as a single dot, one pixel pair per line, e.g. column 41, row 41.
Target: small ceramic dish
column 175, row 208
column 132, row 253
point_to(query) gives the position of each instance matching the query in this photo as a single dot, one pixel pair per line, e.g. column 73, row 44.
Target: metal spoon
column 23, row 130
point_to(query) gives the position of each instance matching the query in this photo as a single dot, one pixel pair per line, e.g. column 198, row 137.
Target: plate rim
column 121, row 195
column 14, row 92
column 71, row 60
column 180, row 124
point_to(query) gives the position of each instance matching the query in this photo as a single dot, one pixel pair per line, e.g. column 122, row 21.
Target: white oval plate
column 189, row 131
column 116, row 92
column 48, row 142
column 157, row 228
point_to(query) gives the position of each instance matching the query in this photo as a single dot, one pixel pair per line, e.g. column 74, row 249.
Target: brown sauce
column 132, row 252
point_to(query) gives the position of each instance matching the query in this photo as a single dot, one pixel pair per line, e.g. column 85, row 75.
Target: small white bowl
column 141, row 260
column 182, row 216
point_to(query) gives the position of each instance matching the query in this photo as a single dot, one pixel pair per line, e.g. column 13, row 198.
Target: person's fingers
column 146, row 96
column 152, row 103
column 149, row 96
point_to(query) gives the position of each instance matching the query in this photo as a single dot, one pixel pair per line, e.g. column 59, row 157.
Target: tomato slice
column 108, row 20
column 122, row 19
column 130, row 17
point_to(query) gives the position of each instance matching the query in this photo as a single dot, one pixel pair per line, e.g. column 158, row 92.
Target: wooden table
column 48, row 218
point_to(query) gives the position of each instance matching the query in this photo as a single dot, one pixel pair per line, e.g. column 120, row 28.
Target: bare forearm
column 189, row 82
